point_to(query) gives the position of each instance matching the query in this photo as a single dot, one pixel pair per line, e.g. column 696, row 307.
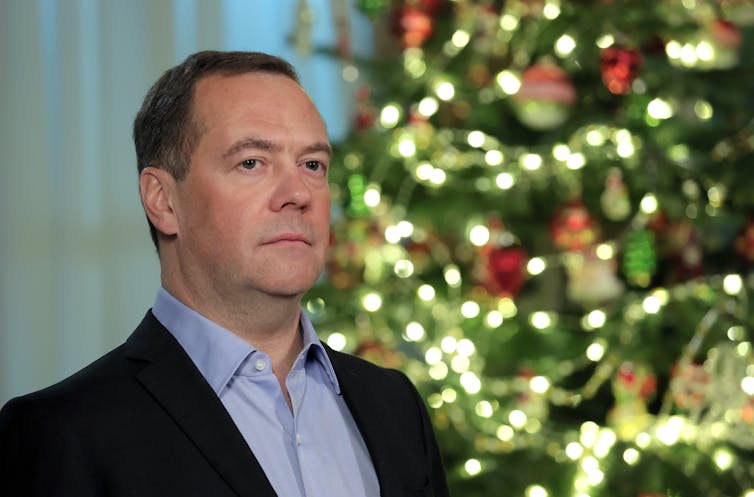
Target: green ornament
column 357, row 186
column 373, row 8
column 640, row 258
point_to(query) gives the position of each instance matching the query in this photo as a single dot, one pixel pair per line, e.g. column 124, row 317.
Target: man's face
column 253, row 212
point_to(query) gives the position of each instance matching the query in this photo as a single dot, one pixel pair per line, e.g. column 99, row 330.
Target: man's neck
column 269, row 323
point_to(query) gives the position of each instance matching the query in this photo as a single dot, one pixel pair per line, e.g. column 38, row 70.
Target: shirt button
column 260, row 365
column 298, row 438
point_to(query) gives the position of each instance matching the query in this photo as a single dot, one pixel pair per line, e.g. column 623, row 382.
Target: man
column 224, row 389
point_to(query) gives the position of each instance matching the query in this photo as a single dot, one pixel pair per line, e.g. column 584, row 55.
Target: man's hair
column 165, row 132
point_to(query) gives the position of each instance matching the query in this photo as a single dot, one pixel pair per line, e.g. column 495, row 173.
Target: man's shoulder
column 77, row 390
column 105, row 380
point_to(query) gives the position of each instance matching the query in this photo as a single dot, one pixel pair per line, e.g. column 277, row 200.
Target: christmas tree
column 544, row 215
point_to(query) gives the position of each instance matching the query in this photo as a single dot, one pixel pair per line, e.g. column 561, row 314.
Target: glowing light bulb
column 470, row 382
column 536, row 265
column 561, row 152
column 407, row 147
column 732, row 284
column 428, row 106
column 337, row 341
column 539, row 384
column 414, row 331
column 574, row 451
column 494, row 319
column 651, row 305
column 426, row 292
column 475, row 139
column 389, row 116
column 494, row 157
column 372, row 197
column 536, row 491
column 517, row 418
column 448, row 344
column 649, row 203
column 565, row 45
column 540, row 320
column 472, row 467
column 631, row 456
column 595, row 351
column 479, row 235
column 659, row 109
column 505, row 433
column 424, row 171
column 508, row 82
column 504, row 181
column 452, row 276
column 372, row 302
column 403, row 268
column 470, row 309
column 465, row 347
column 532, row 162
column 460, row 38
column 445, row 91
column 484, row 409
column 433, row 355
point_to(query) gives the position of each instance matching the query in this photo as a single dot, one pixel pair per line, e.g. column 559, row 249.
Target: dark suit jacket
column 141, row 421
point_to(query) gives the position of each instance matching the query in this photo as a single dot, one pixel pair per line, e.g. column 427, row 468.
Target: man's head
column 165, row 129
column 235, row 183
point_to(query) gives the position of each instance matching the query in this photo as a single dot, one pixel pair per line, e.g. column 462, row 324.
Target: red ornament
column 545, row 97
column 366, row 112
column 413, row 25
column 745, row 242
column 505, row 273
column 727, row 34
column 619, row 67
column 636, row 381
column 690, row 384
column 573, row 228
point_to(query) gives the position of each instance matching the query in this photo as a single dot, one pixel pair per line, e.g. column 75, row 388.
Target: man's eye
column 249, row 164
column 313, row 165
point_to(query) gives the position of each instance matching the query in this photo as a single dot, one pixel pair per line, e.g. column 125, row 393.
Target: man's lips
column 285, row 238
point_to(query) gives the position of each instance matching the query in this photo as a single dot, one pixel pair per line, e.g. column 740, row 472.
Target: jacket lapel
column 178, row 386
column 367, row 413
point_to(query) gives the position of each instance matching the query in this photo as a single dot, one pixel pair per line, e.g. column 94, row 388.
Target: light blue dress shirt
column 314, row 451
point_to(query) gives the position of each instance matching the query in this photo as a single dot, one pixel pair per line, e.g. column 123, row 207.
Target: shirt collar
column 217, row 352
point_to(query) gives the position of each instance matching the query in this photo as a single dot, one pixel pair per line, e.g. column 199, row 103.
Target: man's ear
column 157, row 189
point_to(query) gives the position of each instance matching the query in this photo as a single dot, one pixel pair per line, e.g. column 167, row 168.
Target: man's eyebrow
column 318, row 147
column 262, row 144
column 256, row 143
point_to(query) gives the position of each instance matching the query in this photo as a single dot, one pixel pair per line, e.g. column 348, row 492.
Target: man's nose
column 291, row 189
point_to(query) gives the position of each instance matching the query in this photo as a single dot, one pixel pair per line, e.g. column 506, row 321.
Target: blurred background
column 542, row 213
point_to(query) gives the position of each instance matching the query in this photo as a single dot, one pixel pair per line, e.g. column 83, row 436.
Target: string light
column 470, row 309
column 372, row 302
column 389, row 116
column 493, row 157
column 505, row 181
column 337, row 341
column 494, row 319
column 565, row 45
column 472, row 467
column 445, row 90
column 536, row 265
column 426, row 292
column 414, row 331
column 428, row 106
column 508, row 82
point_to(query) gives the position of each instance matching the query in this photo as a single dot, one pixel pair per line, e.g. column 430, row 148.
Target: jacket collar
column 178, row 386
